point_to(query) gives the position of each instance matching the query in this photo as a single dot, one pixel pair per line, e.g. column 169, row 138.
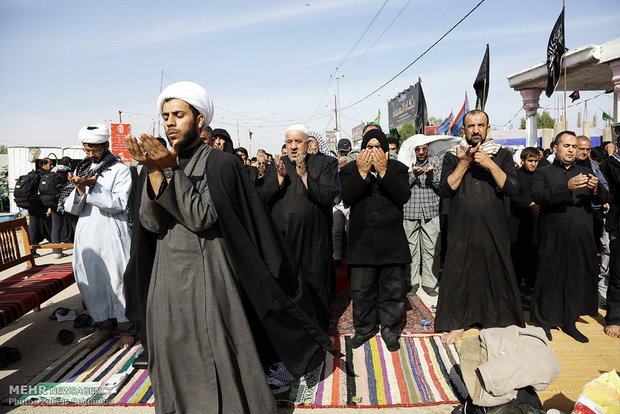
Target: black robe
column 137, row 276
column 478, row 285
column 523, row 230
column 265, row 268
column 304, row 216
column 566, row 279
column 611, row 169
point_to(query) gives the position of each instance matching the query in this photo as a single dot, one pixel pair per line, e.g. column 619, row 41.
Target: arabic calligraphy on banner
column 402, row 108
column 119, row 146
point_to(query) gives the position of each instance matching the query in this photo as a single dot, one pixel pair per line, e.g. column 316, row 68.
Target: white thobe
column 102, row 242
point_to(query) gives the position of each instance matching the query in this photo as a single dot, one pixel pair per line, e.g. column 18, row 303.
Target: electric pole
column 337, row 104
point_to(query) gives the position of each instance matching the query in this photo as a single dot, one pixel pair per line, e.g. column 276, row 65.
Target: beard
column 471, row 141
column 187, row 138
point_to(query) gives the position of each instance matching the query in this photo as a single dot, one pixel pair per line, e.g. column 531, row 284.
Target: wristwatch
column 169, row 171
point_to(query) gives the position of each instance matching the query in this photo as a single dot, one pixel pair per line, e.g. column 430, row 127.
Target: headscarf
column 379, row 135
column 94, row 134
column 190, row 92
column 229, row 146
column 323, row 148
column 489, row 146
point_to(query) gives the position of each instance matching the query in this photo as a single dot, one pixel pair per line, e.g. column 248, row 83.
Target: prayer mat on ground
column 89, row 376
column 423, row 372
column 419, row 319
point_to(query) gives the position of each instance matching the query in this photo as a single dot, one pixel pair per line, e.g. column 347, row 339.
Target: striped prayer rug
column 80, row 365
column 423, row 372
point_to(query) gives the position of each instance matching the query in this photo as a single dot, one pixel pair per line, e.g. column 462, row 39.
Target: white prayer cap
column 94, row 134
column 298, row 127
column 190, row 92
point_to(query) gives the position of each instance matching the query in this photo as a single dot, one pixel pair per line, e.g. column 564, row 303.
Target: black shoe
column 66, row 336
column 392, row 344
column 414, row 290
column 573, row 332
column 359, row 340
column 141, row 362
column 547, row 332
column 432, row 292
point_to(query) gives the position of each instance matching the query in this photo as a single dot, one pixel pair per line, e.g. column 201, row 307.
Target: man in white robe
column 99, row 192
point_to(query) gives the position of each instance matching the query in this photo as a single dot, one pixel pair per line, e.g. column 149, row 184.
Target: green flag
column 607, row 117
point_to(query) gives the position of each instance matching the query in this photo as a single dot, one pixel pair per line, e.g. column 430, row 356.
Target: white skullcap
column 298, row 127
column 190, row 92
column 94, row 134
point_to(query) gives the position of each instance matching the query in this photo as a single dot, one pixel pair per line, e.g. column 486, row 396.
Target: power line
column 418, row 58
column 38, row 114
column 362, row 36
column 378, row 38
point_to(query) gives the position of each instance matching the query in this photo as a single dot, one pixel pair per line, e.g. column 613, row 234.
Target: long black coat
column 376, row 233
column 566, row 280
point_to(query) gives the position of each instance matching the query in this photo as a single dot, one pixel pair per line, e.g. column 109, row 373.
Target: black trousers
column 613, row 290
column 383, row 286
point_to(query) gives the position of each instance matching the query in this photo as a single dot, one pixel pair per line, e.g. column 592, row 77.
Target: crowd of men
column 224, row 265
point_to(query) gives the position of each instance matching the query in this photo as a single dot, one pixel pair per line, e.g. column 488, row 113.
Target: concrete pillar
column 586, row 128
column 547, row 137
column 530, row 105
column 615, row 70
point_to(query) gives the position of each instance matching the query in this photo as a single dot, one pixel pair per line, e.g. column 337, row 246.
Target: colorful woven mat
column 81, row 365
column 423, row 372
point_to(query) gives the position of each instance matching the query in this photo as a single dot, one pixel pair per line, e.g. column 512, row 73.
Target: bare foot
column 125, row 341
column 452, row 336
column 96, row 341
column 613, row 331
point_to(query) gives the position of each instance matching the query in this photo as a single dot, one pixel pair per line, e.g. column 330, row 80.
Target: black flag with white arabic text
column 481, row 84
column 421, row 114
column 555, row 54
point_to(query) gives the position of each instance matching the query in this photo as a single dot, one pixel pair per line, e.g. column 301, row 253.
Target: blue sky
column 267, row 64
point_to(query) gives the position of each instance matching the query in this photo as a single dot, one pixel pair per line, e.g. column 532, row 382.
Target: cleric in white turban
column 94, row 134
column 190, row 92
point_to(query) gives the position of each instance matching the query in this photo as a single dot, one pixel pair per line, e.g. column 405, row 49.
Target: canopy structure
column 588, row 68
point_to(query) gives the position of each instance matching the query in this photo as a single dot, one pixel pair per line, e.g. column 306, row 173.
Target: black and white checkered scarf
column 83, row 170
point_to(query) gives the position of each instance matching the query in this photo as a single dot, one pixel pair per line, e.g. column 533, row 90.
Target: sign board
column 402, row 108
column 356, row 133
column 330, row 138
column 118, row 132
column 432, row 130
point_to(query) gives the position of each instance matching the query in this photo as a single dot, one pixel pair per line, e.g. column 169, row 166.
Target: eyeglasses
column 93, row 151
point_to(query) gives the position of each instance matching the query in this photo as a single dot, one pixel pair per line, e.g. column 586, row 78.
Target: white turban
column 190, row 92
column 298, row 127
column 94, row 134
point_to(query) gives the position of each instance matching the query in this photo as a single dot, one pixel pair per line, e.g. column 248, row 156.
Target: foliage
column 434, row 121
column 406, row 130
column 4, row 149
column 542, row 121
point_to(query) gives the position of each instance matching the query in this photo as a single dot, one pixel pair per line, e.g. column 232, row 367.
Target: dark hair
column 598, row 153
column 529, row 151
column 392, row 140
column 283, row 146
column 243, row 150
column 546, row 153
column 475, row 112
column 556, row 141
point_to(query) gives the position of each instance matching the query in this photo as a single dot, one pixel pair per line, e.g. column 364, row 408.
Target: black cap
column 344, row 145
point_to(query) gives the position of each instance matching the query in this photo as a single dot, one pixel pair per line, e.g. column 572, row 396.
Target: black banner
column 403, row 107
column 555, row 54
column 481, row 84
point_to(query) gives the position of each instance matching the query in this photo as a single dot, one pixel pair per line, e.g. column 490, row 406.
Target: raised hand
column 380, row 160
column 592, row 183
column 300, row 164
column 364, row 162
